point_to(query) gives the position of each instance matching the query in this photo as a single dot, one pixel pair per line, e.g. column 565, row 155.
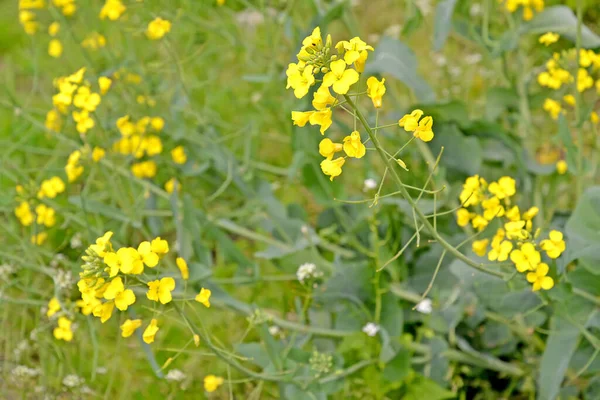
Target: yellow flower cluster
column 64, row 329
column 94, row 41
column 212, row 383
column 158, row 28
column 484, row 203
column 74, row 169
column 528, row 7
column 421, row 128
column 107, row 270
column 112, row 9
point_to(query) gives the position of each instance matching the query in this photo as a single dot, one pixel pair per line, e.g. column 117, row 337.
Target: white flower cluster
column 308, row 271
column 72, row 381
column 175, row 375
column 371, row 329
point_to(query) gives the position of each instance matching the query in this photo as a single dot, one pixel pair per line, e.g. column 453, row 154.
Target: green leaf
column 560, row 346
column 412, row 24
column 443, row 23
column 424, row 388
column 583, row 231
column 96, row 207
column 394, row 58
column 461, row 153
column 561, row 20
column 398, row 367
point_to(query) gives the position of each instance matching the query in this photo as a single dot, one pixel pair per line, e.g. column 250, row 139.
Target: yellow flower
column 160, row 246
column 98, row 154
column 548, row 38
column 569, row 99
column 24, row 214
column 561, row 167
column 584, row 80
column 375, row 90
column 53, row 29
column 158, row 28
column 150, row 331
column 104, row 311
column 479, row 222
column 339, row 77
column 53, row 121
column 594, row 115
column 539, row 278
column 471, row 191
column 514, row 230
column 352, row 49
column 505, row 187
column 161, row 290
column 63, row 331
column 362, row 60
column 353, row 145
column 513, row 214
column 300, row 118
column 130, row 326
column 527, row 258
column 126, row 259
column 178, row 155
column 104, row 83
column 463, row 217
column 327, row 148
column 170, row 185
column 39, row 239
column 410, row 122
column 53, row 307
column 116, row 291
column 301, row 81
column 424, row 131
column 531, row 213
column 83, row 120
column 554, row 245
column 332, row 168
column 322, row 98
column 183, row 268
column 204, row 297
column 145, row 169
column 212, row 383
column 552, row 107
column 112, row 9
column 149, row 257
column 94, row 41
column 102, row 244
column 322, row 118
column 51, row 188
column 157, row 123
column 86, row 99
column 500, row 248
column 492, row 208
column 480, row 247
column 27, row 19
column 45, row 215
column 55, row 48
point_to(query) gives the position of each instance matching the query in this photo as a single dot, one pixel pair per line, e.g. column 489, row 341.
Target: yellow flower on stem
column 376, row 90
column 555, row 245
column 183, row 268
column 160, row 290
column 63, row 331
column 158, row 28
column 53, row 28
column 212, row 383
column 322, row 118
column 83, row 120
column 480, row 247
column 149, row 257
column 515, row 231
column 102, row 244
column 553, row 108
column 53, row 307
column 51, row 188
column 352, row 49
column 160, row 246
column 98, row 154
column 104, row 83
column 150, row 331
column 527, row 258
column 327, row 148
column 112, row 9
column 204, row 297
column 492, row 208
column 479, row 222
column 300, row 118
column 104, row 311
column 353, row 145
column 322, row 98
column 539, row 278
column 339, row 77
column 55, row 48
column 410, row 122
column 505, row 187
column 548, row 38
column 332, row 168
column 301, row 81
column 45, row 215
column 24, row 214
column 116, row 291
column 129, row 327
column 463, row 217
column 424, row 131
column 178, row 155
column 562, row 167
column 170, row 185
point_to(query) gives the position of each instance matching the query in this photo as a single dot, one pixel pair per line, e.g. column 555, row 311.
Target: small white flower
column 101, row 370
column 274, row 330
column 424, row 306
column 369, row 184
column 175, row 375
column 304, row 230
column 371, row 329
column 72, row 381
column 307, row 271
column 474, row 58
column 63, row 279
column 76, row 241
column 439, row 59
column 475, row 10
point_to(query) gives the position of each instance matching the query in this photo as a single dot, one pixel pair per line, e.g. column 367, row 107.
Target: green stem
column 578, row 119
column 411, row 201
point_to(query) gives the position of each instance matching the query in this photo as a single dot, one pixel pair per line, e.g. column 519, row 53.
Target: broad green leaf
column 461, row 153
column 443, row 23
column 583, row 231
column 424, row 388
column 561, row 20
column 399, row 367
column 394, row 58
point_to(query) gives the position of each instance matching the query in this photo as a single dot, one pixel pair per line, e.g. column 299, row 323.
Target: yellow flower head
column 531, row 213
column 548, row 38
column 352, row 49
column 562, row 167
column 104, row 83
column 160, row 290
column 527, row 258
column 555, row 245
column 212, row 383
column 158, row 28
column 410, row 122
column 424, row 131
column 539, row 278
column 480, row 247
column 479, row 222
column 339, row 77
column 322, row 118
column 112, row 9
column 53, row 28
column 353, row 145
column 24, row 214
column 104, row 311
column 45, row 215
column 130, row 326
column 55, row 48
column 98, row 154
column 327, row 148
column 322, row 98
column 492, row 208
column 63, row 331
column 515, row 230
column 332, row 168
column 53, row 307
column 102, row 244
column 553, row 108
column 504, row 188
column 170, row 185
column 204, row 297
column 301, row 81
column 463, row 217
column 150, row 331
column 116, row 291
column 51, row 188
column 160, row 246
column 178, row 155
column 183, row 268
column 376, row 90
column 300, row 118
